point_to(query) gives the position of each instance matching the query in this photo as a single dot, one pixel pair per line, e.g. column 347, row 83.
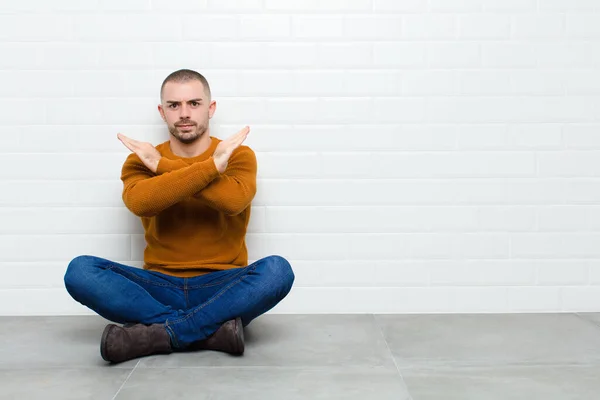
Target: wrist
column 219, row 166
column 154, row 164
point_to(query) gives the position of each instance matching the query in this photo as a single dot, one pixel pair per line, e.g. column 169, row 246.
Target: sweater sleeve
column 232, row 191
column 146, row 194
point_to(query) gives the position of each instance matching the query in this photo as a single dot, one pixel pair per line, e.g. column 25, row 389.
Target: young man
column 193, row 194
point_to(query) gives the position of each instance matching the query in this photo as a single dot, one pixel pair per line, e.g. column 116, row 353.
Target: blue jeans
column 191, row 308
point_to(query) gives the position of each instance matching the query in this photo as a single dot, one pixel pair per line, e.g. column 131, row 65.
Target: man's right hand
column 226, row 148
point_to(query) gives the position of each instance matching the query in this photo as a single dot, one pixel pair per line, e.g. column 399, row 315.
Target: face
column 186, row 109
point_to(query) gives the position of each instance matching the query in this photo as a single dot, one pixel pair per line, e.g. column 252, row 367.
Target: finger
column 128, row 139
column 240, row 136
column 131, row 144
column 133, row 141
column 243, row 131
column 127, row 145
column 124, row 139
column 240, row 141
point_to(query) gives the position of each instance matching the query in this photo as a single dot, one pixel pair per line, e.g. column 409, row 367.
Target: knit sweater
column 194, row 217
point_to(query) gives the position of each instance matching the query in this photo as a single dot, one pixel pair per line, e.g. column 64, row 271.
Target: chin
column 188, row 140
column 184, row 138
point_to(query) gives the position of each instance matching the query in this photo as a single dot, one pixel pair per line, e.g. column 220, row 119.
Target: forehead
column 183, row 91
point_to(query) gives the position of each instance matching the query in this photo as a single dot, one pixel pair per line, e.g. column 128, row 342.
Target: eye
column 172, row 105
column 195, row 104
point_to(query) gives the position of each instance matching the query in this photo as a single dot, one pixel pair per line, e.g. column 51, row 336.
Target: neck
column 192, row 149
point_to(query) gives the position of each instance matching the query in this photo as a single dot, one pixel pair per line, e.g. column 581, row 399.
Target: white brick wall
column 414, row 155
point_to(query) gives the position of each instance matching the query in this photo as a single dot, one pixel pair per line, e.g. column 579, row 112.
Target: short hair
column 184, row 75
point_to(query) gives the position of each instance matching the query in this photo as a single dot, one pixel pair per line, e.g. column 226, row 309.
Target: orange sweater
column 194, row 218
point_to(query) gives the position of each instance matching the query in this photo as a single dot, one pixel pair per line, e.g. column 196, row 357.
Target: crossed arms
column 146, row 193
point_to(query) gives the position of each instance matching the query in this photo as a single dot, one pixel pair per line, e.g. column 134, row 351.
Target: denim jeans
column 191, row 308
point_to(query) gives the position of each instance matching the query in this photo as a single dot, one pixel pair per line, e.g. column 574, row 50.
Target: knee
column 280, row 269
column 76, row 272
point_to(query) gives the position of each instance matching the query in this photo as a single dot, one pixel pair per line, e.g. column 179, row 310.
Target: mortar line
column 391, row 355
column 124, row 382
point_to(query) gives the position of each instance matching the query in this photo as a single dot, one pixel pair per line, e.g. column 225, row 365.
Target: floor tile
column 477, row 356
column 592, row 317
column 515, row 383
column 488, row 339
column 58, row 383
column 264, row 383
column 296, row 341
column 41, row 342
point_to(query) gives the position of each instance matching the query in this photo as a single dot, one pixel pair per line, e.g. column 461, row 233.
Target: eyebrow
column 189, row 101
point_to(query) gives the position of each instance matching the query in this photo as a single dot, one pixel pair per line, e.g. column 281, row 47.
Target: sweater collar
column 204, row 156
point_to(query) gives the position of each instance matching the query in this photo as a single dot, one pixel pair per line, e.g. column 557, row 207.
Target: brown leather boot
column 229, row 338
column 120, row 344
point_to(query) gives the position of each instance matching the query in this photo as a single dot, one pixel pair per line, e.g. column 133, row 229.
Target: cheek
column 171, row 117
column 201, row 115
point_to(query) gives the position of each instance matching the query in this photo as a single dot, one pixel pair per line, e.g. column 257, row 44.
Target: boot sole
column 105, row 334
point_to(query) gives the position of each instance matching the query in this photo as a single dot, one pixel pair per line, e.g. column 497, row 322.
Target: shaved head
column 185, row 75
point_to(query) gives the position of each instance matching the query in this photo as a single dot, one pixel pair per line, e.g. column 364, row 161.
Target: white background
column 414, row 156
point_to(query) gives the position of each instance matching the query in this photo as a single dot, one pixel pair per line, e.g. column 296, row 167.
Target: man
column 193, row 194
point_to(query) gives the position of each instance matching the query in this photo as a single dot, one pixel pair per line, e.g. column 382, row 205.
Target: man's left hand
column 145, row 151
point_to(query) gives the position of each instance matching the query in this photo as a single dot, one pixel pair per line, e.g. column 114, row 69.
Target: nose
column 184, row 112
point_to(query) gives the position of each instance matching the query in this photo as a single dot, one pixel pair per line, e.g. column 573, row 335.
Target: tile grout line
column 392, row 355
column 126, row 379
column 596, row 324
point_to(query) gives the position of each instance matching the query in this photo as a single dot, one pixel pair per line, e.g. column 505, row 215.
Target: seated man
column 193, row 194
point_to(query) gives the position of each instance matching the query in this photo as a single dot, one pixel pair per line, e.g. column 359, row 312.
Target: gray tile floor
column 419, row 357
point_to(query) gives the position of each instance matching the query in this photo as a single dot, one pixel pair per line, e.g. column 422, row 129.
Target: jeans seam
column 172, row 334
column 218, row 295
column 185, row 292
column 189, row 315
column 139, row 279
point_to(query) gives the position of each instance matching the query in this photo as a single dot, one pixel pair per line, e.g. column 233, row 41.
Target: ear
column 161, row 112
column 212, row 108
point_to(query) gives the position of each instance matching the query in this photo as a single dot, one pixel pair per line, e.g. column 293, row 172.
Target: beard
column 191, row 134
